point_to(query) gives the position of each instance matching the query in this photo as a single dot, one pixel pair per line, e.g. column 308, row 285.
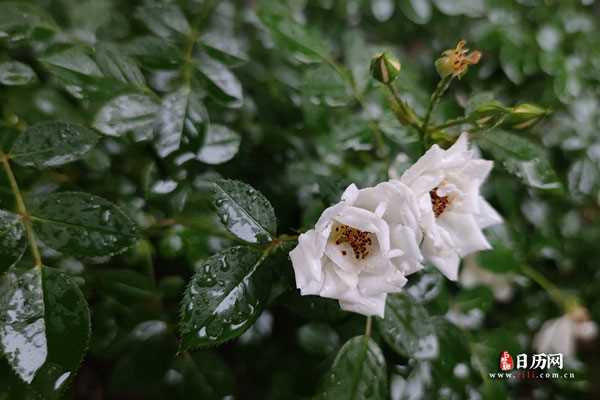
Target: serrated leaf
column 44, row 327
column 182, row 116
column 520, row 157
column 114, row 63
column 407, row 328
column 418, row 11
column 81, row 224
column 222, row 84
column 221, row 144
column 13, row 240
column 244, row 211
column 130, row 112
column 164, row 20
column 224, row 297
column 19, row 20
column 358, row 372
column 14, row 73
column 50, row 144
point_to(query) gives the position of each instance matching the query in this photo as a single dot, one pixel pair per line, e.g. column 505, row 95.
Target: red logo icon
column 506, row 361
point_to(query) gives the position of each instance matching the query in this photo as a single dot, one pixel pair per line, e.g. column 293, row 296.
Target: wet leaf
column 50, row 144
column 223, row 47
column 358, row 372
column 521, row 157
column 221, row 144
column 296, row 37
column 244, row 211
column 44, row 328
column 418, row 11
column 14, row 73
column 222, row 84
column 164, row 20
column 19, row 20
column 407, row 328
column 318, row 338
column 182, row 116
column 13, row 240
column 116, row 64
column 224, row 297
column 153, row 51
column 81, row 224
column 130, row 112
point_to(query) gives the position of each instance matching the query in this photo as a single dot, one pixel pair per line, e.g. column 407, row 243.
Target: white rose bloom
column 361, row 248
column 453, row 213
column 560, row 335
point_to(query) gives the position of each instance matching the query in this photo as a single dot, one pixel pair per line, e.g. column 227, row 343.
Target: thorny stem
column 368, row 326
column 563, row 300
column 21, row 209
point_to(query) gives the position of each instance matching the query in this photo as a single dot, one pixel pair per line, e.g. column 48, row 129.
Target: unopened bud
column 456, row 61
column 526, row 115
column 385, row 68
column 489, row 113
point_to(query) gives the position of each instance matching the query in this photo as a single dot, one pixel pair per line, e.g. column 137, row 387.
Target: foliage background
column 296, row 116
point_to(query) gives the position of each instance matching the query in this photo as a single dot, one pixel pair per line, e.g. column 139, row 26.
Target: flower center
column 359, row 241
column 438, row 203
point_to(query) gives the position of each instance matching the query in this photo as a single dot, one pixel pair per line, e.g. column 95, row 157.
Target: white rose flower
column 361, row 248
column 453, row 213
column 560, row 335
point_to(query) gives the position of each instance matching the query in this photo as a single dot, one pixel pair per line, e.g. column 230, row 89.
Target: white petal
column 306, row 261
column 333, row 286
column 556, row 336
column 487, row 216
column 369, row 306
column 445, row 259
column 477, row 170
column 586, row 330
column 465, row 232
column 373, row 284
column 350, row 194
column 405, row 239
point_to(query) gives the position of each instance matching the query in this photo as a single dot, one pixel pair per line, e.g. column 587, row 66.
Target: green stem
column 404, row 113
column 435, row 99
column 368, row 326
column 451, row 122
column 21, row 209
column 563, row 300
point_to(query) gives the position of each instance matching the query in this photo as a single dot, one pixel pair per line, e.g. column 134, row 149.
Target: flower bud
column 488, row 113
column 456, row 61
column 385, row 68
column 526, row 115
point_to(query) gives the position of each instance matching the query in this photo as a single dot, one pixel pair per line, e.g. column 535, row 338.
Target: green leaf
column 418, row 11
column 322, row 82
column 182, row 116
column 154, row 52
column 480, row 298
column 19, row 20
column 358, row 372
column 289, row 33
column 13, row 240
column 224, row 297
column 79, row 73
column 472, row 8
column 81, row 224
column 222, row 84
column 44, row 327
column 164, row 20
column 221, row 144
column 407, row 328
column 244, row 211
column 521, row 157
column 130, row 112
column 223, row 47
column 14, row 73
column 114, row 63
column 502, row 257
column 50, row 144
